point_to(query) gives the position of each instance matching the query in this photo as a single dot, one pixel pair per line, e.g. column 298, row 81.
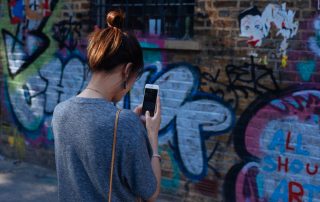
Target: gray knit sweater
column 83, row 132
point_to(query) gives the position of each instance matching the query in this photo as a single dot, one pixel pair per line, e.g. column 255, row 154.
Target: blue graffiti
column 190, row 117
column 306, row 69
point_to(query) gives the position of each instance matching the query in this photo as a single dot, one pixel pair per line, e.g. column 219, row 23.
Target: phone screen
column 149, row 101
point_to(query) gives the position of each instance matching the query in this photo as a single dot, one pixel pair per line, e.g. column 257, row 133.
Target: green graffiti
column 44, row 58
column 173, row 183
column 32, row 118
column 151, row 52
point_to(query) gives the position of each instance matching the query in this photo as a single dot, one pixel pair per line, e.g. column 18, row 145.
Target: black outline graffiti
column 67, row 30
column 39, row 48
column 37, row 33
column 238, row 84
column 194, row 94
column 28, row 59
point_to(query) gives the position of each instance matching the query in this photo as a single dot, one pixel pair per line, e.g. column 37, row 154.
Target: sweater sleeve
column 137, row 170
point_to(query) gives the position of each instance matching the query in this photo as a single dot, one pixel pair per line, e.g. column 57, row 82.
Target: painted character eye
column 247, row 27
column 257, row 26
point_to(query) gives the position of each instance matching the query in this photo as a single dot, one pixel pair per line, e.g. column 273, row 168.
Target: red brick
column 220, row 4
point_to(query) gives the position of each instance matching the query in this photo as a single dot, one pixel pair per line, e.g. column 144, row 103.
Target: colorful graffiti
column 243, row 82
column 40, row 74
column 306, row 69
column 28, row 20
column 279, row 157
column 314, row 41
column 256, row 25
column 189, row 116
column 46, row 64
column 304, row 60
column 173, row 181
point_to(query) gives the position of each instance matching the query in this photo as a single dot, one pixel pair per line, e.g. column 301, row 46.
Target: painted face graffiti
column 251, row 26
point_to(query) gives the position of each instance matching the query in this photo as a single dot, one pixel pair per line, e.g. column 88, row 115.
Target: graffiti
column 173, row 182
column 186, row 123
column 67, row 34
column 314, row 41
column 14, row 139
column 305, row 62
column 20, row 54
column 16, row 11
column 151, row 52
column 284, row 22
column 56, row 81
column 28, row 42
column 40, row 10
column 244, row 80
column 36, row 83
column 306, row 69
column 184, row 103
column 256, row 25
column 251, row 26
column 279, row 157
column 33, row 96
column 189, row 117
column 20, row 10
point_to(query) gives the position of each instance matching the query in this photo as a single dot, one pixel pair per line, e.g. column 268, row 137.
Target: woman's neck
column 100, row 86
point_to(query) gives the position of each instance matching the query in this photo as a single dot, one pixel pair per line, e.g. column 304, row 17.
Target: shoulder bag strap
column 113, row 152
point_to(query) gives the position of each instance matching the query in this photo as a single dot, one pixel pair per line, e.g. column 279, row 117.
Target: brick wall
column 240, row 100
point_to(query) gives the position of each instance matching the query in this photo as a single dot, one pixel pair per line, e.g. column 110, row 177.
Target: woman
column 83, row 126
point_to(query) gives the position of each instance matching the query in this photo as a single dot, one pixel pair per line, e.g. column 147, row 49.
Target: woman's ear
column 127, row 70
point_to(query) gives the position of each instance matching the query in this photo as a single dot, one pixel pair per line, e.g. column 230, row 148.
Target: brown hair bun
column 110, row 47
column 115, row 19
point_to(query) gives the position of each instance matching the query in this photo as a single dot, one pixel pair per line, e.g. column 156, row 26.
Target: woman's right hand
column 153, row 124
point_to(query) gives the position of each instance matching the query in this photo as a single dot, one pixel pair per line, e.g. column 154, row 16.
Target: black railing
column 150, row 18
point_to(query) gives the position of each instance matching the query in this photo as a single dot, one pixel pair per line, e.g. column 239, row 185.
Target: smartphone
column 150, row 98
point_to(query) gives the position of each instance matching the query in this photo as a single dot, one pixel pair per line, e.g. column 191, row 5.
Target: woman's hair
column 111, row 46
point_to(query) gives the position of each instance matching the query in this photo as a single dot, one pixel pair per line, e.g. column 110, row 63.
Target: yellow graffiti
column 16, row 140
column 284, row 61
column 11, row 140
column 263, row 60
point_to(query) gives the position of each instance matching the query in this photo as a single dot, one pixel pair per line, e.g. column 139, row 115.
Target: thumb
column 147, row 115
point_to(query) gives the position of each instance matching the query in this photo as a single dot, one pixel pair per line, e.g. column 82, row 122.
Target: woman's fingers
column 143, row 118
column 138, row 109
column 147, row 115
column 158, row 110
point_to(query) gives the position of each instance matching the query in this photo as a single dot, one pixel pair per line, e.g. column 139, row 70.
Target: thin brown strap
column 113, row 152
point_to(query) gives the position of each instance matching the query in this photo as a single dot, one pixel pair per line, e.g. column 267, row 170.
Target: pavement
column 25, row 182
column 20, row 181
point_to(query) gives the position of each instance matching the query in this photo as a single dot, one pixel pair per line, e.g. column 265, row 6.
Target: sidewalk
column 20, row 181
